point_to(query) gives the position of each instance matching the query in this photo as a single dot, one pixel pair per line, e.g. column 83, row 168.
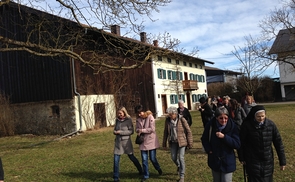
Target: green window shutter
column 159, row 73
column 193, row 98
column 164, row 74
column 176, row 99
column 173, row 75
column 169, row 72
column 183, row 97
column 203, row 78
column 181, row 77
column 171, row 99
column 196, row 77
column 191, row 76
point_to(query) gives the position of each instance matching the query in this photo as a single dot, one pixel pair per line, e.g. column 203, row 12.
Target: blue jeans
column 117, row 164
column 177, row 155
column 145, row 164
column 221, row 177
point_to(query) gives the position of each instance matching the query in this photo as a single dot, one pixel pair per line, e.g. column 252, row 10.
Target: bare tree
column 45, row 35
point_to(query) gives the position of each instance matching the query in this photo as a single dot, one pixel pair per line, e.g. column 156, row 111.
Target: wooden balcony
column 190, row 85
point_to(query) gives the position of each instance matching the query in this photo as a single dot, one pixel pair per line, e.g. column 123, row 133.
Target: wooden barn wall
column 27, row 78
column 130, row 87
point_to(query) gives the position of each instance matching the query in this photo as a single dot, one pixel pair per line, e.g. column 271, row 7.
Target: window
column 161, row 74
column 170, row 74
column 179, row 75
column 201, row 66
column 173, row 99
column 196, row 66
column 184, row 63
column 190, row 65
column 177, row 61
column 191, row 76
column 181, row 97
column 159, row 58
column 169, row 60
column 194, row 98
column 55, row 111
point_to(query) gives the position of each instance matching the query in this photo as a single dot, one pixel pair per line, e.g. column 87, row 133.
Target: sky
column 214, row 26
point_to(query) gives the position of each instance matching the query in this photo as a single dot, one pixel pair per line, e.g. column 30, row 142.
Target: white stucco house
column 180, row 77
column 284, row 48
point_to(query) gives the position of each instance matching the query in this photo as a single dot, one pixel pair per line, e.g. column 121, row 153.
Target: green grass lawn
column 89, row 156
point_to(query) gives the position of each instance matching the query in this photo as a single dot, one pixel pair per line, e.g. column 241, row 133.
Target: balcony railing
column 190, row 85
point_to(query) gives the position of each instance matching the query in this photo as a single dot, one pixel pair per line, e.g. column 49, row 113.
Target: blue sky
column 214, row 26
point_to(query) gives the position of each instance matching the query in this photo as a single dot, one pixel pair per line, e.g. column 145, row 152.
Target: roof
column 96, row 30
column 211, row 71
column 284, row 42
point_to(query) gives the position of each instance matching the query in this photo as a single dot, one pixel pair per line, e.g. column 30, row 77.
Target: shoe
column 181, row 180
column 143, row 179
column 160, row 171
column 140, row 173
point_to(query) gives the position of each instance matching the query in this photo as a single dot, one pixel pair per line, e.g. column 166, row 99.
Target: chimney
column 115, row 29
column 143, row 37
column 156, row 43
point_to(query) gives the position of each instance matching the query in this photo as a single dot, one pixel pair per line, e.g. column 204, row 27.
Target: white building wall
column 287, row 76
column 161, row 86
column 87, row 110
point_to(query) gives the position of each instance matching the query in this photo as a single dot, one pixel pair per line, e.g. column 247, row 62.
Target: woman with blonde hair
column 123, row 145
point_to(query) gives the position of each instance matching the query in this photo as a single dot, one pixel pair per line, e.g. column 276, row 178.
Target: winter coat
column 187, row 115
column 223, row 156
column 184, row 134
column 151, row 140
column 123, row 143
column 256, row 148
column 207, row 114
column 240, row 115
column 247, row 107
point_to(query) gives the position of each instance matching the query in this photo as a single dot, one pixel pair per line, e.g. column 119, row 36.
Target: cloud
column 214, row 26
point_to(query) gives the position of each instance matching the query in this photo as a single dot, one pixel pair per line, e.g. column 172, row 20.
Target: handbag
column 139, row 138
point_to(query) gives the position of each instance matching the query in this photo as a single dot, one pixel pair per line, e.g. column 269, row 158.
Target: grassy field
column 89, row 156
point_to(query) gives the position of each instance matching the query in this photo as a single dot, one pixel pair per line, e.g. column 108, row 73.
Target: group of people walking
column 248, row 132
column 227, row 127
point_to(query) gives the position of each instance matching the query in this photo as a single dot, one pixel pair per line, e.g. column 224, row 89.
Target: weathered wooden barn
column 59, row 94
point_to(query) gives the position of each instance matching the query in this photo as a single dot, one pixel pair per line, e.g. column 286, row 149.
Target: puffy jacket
column 223, row 156
column 256, row 147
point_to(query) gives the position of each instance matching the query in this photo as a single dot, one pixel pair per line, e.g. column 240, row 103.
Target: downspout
column 155, row 91
column 78, row 95
column 79, row 104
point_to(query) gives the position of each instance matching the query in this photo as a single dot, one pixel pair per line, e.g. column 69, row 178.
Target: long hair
column 124, row 110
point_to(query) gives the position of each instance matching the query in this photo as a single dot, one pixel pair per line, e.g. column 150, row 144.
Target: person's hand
column 282, row 168
column 243, row 162
column 219, row 134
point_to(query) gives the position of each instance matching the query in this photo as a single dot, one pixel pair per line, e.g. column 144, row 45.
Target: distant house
column 61, row 95
column 216, row 75
column 284, row 48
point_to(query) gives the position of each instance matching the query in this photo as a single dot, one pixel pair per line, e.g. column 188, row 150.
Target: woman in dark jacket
column 206, row 111
column 257, row 136
column 220, row 138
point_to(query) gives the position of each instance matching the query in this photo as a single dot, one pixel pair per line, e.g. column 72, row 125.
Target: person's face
column 173, row 116
column 141, row 114
column 260, row 116
column 180, row 105
column 222, row 119
column 121, row 114
column 249, row 100
column 225, row 101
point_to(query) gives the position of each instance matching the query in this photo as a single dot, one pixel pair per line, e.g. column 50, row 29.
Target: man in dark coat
column 257, row 136
column 206, row 111
column 183, row 111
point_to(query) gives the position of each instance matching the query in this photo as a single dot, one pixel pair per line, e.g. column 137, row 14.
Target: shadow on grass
column 108, row 177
